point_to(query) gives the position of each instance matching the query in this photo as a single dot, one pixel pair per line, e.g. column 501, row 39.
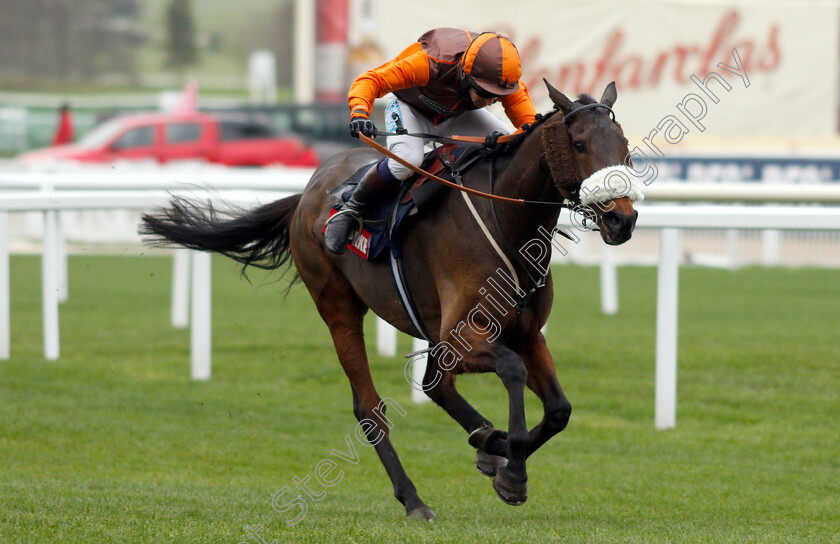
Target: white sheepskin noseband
column 609, row 183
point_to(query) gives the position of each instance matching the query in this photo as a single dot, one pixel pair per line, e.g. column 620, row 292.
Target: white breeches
column 479, row 122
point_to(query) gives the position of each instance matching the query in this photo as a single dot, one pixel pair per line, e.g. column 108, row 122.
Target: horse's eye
column 579, row 146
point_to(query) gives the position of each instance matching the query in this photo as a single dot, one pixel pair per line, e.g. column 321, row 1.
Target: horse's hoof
column 509, row 490
column 489, row 440
column 422, row 512
column 488, row 464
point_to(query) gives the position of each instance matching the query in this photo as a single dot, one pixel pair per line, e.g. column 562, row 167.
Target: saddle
column 383, row 227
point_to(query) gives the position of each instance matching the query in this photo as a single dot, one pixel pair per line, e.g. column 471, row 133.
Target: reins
column 416, row 169
column 382, row 149
column 454, row 138
column 401, row 131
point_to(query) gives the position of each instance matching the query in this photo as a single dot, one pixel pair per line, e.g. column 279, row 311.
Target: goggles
column 481, row 92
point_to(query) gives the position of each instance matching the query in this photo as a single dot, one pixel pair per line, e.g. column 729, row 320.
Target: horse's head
column 586, row 152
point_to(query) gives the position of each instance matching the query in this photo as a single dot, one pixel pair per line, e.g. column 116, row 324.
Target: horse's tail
column 258, row 237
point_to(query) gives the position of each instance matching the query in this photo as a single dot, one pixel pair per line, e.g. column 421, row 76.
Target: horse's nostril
column 611, row 219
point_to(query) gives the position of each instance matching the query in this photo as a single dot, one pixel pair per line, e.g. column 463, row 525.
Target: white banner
column 773, row 66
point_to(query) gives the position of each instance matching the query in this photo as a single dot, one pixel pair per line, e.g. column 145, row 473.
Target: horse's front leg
column 485, row 354
column 511, row 481
column 490, row 443
column 542, row 380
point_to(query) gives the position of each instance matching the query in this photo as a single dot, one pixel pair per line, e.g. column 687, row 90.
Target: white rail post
column 609, row 281
column 5, row 302
column 386, row 338
column 61, row 259
column 732, row 236
column 181, row 288
column 49, row 285
column 667, row 305
column 200, row 339
column 770, row 247
column 418, row 370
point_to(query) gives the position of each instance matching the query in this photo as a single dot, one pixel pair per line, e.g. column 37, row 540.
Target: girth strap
column 398, row 274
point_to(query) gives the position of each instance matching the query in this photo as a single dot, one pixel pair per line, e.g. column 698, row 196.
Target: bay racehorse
column 452, row 259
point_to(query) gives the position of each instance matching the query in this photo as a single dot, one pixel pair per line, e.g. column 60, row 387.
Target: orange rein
column 502, row 139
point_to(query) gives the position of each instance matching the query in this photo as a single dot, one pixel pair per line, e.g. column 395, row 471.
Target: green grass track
column 114, row 443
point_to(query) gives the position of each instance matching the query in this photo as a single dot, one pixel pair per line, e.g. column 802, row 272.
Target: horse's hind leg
column 343, row 313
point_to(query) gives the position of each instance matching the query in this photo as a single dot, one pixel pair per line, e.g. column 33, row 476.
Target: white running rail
column 50, row 192
column 49, row 202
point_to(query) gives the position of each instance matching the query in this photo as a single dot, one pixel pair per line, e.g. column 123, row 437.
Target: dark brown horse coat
column 448, row 262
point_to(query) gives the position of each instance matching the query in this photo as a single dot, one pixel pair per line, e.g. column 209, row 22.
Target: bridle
column 576, row 111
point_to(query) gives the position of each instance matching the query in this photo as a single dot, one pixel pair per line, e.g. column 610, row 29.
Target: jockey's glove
column 492, row 138
column 363, row 125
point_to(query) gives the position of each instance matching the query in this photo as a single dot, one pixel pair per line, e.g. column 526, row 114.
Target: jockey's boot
column 370, row 192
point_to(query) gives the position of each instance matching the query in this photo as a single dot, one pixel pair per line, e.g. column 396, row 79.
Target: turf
column 114, row 442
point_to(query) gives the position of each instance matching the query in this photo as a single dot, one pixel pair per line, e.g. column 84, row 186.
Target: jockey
column 441, row 85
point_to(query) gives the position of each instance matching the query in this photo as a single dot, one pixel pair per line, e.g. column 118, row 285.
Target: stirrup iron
column 354, row 215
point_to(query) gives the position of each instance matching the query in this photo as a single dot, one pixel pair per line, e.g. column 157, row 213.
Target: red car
column 230, row 140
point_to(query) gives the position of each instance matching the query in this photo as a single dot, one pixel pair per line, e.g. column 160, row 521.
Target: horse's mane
column 510, row 147
column 584, row 99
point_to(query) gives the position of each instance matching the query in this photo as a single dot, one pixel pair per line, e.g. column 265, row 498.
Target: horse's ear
column 609, row 96
column 559, row 99
column 561, row 160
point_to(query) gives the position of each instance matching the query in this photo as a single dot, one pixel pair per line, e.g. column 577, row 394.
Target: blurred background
column 279, row 71
column 108, row 56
